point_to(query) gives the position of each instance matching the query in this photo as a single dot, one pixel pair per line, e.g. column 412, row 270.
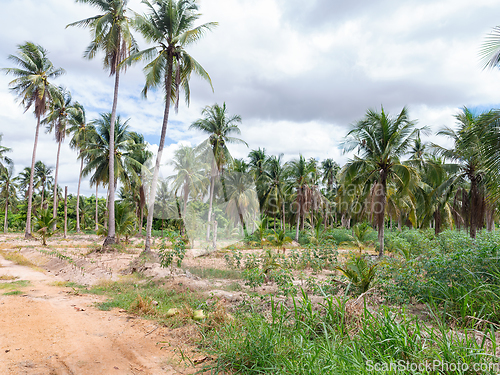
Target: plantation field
column 327, row 305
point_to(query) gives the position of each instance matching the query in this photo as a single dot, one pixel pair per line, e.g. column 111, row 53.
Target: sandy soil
column 52, row 330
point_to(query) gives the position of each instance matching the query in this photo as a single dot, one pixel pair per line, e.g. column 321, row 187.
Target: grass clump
column 15, row 284
column 13, row 293
column 151, row 299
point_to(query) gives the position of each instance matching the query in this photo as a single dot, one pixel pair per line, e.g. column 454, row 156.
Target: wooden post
column 65, row 211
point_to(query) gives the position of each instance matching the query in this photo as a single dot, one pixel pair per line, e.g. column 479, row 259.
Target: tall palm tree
column 220, row 127
column 142, row 156
column 300, row 175
column 7, row 190
column 274, row 187
column 330, row 169
column 81, row 131
column 111, row 33
column 33, row 87
column 257, row 159
column 468, row 154
column 242, row 197
column 97, row 153
column 57, row 120
column 169, row 25
column 43, row 176
column 189, row 176
column 381, row 141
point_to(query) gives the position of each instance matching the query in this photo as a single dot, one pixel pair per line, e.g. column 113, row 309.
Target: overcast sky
column 298, row 72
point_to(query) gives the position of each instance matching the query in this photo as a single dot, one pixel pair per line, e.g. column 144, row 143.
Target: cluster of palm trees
column 168, row 26
column 394, row 176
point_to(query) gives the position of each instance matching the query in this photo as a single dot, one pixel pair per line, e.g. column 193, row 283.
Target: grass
column 215, row 273
column 67, row 284
column 339, row 337
column 149, row 299
column 13, row 293
column 15, row 284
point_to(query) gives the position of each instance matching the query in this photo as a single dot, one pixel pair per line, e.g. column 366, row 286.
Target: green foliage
column 279, row 239
column 456, row 277
column 254, row 277
column 169, row 257
column 125, row 220
column 44, row 224
column 361, row 234
column 358, row 271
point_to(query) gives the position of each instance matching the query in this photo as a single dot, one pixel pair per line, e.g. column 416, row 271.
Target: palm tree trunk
column 211, row 197
column 381, row 214
column 283, row 221
column 78, row 198
column 43, row 195
column 110, row 238
column 143, row 202
column 27, row 232
column 66, row 211
column 54, row 209
column 96, row 208
column 154, row 182
column 5, row 221
column 298, row 225
column 474, row 195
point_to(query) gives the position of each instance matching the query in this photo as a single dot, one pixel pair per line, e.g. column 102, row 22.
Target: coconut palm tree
column 300, row 176
column 142, row 156
column 33, row 87
column 257, row 159
column 242, row 197
column 468, row 154
column 190, row 175
column 81, row 131
column 111, row 33
column 330, row 169
column 7, row 190
column 43, row 176
column 97, row 153
column 381, row 141
column 274, row 187
column 57, row 120
column 220, row 127
column 169, row 25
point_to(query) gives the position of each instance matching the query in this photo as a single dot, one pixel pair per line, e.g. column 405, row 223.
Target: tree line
column 394, row 177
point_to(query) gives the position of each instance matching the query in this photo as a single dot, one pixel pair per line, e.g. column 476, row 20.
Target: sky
column 299, row 73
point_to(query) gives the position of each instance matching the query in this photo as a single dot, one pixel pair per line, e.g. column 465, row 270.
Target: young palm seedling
column 44, row 225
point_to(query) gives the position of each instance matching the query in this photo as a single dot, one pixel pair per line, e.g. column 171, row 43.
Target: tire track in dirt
column 48, row 330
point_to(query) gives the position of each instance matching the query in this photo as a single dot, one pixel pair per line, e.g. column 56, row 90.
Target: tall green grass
column 331, row 340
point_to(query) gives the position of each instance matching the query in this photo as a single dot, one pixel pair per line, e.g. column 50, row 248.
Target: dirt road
column 51, row 330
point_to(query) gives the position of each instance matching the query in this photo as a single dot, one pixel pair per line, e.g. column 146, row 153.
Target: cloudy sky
column 298, row 72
